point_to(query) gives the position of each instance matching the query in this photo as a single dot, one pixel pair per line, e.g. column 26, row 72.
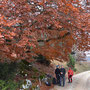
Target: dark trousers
column 70, row 78
column 58, row 78
column 62, row 80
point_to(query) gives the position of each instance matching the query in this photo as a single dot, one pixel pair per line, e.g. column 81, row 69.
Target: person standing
column 70, row 74
column 57, row 72
column 62, row 75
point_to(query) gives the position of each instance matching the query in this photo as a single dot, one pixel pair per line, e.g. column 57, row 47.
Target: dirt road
column 80, row 82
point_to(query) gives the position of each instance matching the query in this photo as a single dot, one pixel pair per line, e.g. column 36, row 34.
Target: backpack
column 48, row 83
column 54, row 81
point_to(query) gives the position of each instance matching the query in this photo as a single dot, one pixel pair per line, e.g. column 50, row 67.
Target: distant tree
column 77, row 54
column 71, row 62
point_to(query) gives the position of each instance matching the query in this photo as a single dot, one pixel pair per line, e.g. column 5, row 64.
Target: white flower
column 25, row 74
column 27, row 85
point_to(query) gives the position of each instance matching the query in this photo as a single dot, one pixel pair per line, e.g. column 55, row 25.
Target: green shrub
column 34, row 76
column 35, row 70
column 23, row 67
column 7, row 71
column 74, row 69
column 71, row 62
column 42, row 76
column 8, row 85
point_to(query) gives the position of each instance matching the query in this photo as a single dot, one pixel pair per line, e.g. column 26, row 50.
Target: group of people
column 60, row 75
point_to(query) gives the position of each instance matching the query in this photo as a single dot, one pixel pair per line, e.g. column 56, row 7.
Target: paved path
column 81, row 81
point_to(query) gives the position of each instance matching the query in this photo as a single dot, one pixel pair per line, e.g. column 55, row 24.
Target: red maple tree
column 47, row 27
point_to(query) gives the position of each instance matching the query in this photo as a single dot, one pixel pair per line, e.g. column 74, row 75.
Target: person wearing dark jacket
column 62, row 75
column 57, row 72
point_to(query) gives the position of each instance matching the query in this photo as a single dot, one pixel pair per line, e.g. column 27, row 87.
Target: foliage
column 33, row 87
column 23, row 67
column 35, row 70
column 42, row 76
column 9, row 85
column 25, row 23
column 42, row 59
column 7, row 71
column 71, row 62
column 74, row 69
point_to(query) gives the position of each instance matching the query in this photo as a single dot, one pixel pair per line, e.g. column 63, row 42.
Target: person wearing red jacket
column 70, row 74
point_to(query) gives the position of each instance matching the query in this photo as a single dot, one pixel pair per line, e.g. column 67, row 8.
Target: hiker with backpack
column 70, row 74
column 57, row 72
column 62, row 75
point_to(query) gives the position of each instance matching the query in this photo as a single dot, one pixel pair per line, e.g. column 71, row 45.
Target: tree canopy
column 46, row 27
